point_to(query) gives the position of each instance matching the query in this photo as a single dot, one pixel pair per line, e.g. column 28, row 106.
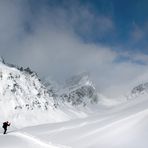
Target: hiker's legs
column 5, row 130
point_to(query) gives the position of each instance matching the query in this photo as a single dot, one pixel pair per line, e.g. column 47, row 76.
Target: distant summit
column 139, row 90
column 79, row 90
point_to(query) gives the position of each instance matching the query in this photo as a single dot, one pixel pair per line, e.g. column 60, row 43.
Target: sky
column 61, row 38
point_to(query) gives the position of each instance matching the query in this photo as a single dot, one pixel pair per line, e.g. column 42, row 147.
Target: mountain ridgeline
column 79, row 90
column 21, row 88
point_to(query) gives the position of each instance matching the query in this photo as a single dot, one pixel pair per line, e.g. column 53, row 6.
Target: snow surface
column 124, row 126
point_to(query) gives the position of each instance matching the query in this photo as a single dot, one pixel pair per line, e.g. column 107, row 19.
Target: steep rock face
column 138, row 91
column 79, row 90
column 22, row 89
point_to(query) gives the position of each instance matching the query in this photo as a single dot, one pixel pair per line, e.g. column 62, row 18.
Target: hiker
column 5, row 125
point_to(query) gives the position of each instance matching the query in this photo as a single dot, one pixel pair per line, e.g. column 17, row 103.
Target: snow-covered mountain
column 25, row 98
column 79, row 90
column 23, row 89
column 139, row 91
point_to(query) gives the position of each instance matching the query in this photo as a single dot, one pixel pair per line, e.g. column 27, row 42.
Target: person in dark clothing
column 5, row 125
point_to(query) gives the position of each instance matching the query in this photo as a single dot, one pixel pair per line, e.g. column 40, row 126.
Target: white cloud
column 52, row 47
column 140, row 57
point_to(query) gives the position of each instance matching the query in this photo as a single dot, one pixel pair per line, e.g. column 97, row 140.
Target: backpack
column 3, row 125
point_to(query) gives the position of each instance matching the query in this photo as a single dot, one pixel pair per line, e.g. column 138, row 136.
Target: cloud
column 11, row 27
column 63, row 52
column 51, row 40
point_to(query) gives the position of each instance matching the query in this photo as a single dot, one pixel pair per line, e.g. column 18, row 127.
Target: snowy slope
column 24, row 100
column 23, row 97
column 124, row 126
column 121, row 127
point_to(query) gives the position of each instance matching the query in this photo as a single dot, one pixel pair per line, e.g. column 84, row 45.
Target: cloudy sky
column 61, row 38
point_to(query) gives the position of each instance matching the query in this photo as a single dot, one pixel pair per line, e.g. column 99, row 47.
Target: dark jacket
column 6, row 124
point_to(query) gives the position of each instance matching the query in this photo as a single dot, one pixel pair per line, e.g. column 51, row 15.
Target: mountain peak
column 2, row 60
column 79, row 90
column 79, row 79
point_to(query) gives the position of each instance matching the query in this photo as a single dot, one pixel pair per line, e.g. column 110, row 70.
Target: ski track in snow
column 37, row 141
column 106, row 121
column 138, row 115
